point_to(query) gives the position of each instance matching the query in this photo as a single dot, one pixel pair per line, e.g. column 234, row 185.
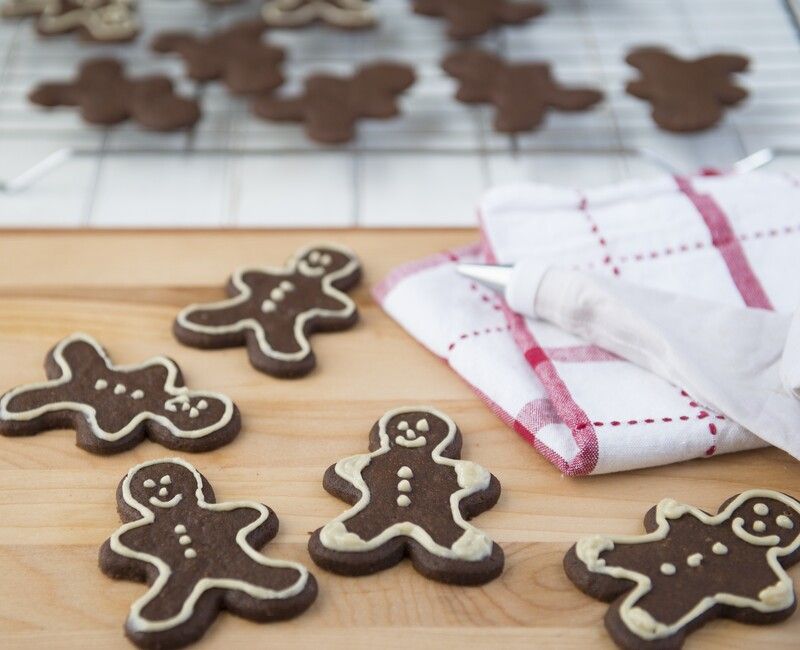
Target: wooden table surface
column 57, row 502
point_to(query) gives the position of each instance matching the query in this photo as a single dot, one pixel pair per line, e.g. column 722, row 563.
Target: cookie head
column 163, row 485
column 322, row 260
column 767, row 522
column 416, row 430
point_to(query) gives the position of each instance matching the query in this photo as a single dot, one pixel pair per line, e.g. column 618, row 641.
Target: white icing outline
column 774, row 598
column 293, row 266
column 94, row 17
column 136, row 622
column 473, row 545
column 292, row 13
column 91, row 414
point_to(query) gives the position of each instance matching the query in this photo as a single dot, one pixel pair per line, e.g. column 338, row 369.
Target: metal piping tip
column 495, row 277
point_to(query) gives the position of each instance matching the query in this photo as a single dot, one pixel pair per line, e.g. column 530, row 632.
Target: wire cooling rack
column 427, row 167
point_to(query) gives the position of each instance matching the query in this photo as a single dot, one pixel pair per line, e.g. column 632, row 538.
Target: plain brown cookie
column 274, row 310
column 520, row 92
column 198, row 557
column 97, row 21
column 470, row 18
column 236, row 55
column 686, row 94
column 113, row 408
column 344, row 14
column 412, row 496
column 330, row 106
column 105, row 96
column 692, row 567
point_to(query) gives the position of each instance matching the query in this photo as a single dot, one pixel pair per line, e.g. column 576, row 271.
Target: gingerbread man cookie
column 197, row 555
column 411, row 497
column 236, row 55
column 520, row 92
column 345, row 14
column 686, row 94
column 113, row 408
column 470, row 18
column 331, row 106
column 106, row 96
column 692, row 567
column 273, row 310
column 101, row 21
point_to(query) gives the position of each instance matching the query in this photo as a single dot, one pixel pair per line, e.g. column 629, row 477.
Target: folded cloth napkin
column 731, row 239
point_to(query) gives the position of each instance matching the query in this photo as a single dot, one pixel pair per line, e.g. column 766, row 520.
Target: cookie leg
column 629, row 640
column 356, row 563
column 299, row 593
column 456, row 572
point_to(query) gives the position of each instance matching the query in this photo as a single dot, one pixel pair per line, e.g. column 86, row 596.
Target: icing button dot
column 694, row 560
column 190, row 553
column 668, row 569
column 268, row 306
column 277, row 294
column 180, row 529
column 137, row 394
column 184, row 540
column 404, row 486
column 405, row 472
column 403, row 501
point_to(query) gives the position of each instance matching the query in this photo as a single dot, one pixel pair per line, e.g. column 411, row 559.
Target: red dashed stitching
column 474, row 333
column 488, row 298
column 682, row 418
column 583, row 207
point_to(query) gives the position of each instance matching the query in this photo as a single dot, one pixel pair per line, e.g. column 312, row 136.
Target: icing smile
column 174, row 501
column 741, row 533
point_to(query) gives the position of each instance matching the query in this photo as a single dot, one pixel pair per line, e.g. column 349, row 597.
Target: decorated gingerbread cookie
column 470, row 18
column 686, row 94
column 345, row 14
column 197, row 555
column 412, row 496
column 274, row 310
column 105, row 95
column 113, row 408
column 101, row 21
column 692, row 567
column 521, row 92
column 330, row 106
column 236, row 55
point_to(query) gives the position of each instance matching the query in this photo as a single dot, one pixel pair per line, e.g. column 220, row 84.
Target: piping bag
column 742, row 362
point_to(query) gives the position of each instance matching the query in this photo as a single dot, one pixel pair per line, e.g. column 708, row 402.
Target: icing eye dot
column 759, row 526
column 668, row 569
column 202, row 405
column 761, row 509
column 422, row 425
column 165, row 480
column 100, row 384
column 313, row 257
column 402, row 426
column 149, row 483
column 326, row 260
column 719, row 548
column 784, row 522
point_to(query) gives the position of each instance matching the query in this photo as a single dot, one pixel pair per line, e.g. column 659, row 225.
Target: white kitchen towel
column 733, row 239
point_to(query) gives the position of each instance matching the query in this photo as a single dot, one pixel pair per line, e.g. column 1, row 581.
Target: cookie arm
column 573, row 99
column 286, row 109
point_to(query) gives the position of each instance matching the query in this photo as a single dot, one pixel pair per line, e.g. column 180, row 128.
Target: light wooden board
column 57, row 503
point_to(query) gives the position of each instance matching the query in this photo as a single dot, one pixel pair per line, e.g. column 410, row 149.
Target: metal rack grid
column 427, row 167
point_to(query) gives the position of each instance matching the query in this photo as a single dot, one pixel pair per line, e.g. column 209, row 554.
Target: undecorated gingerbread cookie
column 412, row 496
column 692, row 567
column 113, row 408
column 686, row 94
column 106, row 96
column 236, row 55
column 470, row 18
column 345, row 14
column 330, row 105
column 100, row 21
column 274, row 310
column 521, row 92
column 198, row 557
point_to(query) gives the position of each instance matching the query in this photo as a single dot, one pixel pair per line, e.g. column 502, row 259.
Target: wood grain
column 57, row 502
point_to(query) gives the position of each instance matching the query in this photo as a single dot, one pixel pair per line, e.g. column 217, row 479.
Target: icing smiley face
column 320, row 261
column 416, row 430
column 766, row 522
column 163, row 486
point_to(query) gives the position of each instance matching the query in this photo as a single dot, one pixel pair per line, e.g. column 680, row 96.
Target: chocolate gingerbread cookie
column 113, row 408
column 105, row 96
column 198, row 557
column 412, row 496
column 692, row 567
column 520, row 92
column 236, row 55
column 273, row 310
column 345, row 14
column 470, row 18
column 686, row 94
column 331, row 105
column 100, row 21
